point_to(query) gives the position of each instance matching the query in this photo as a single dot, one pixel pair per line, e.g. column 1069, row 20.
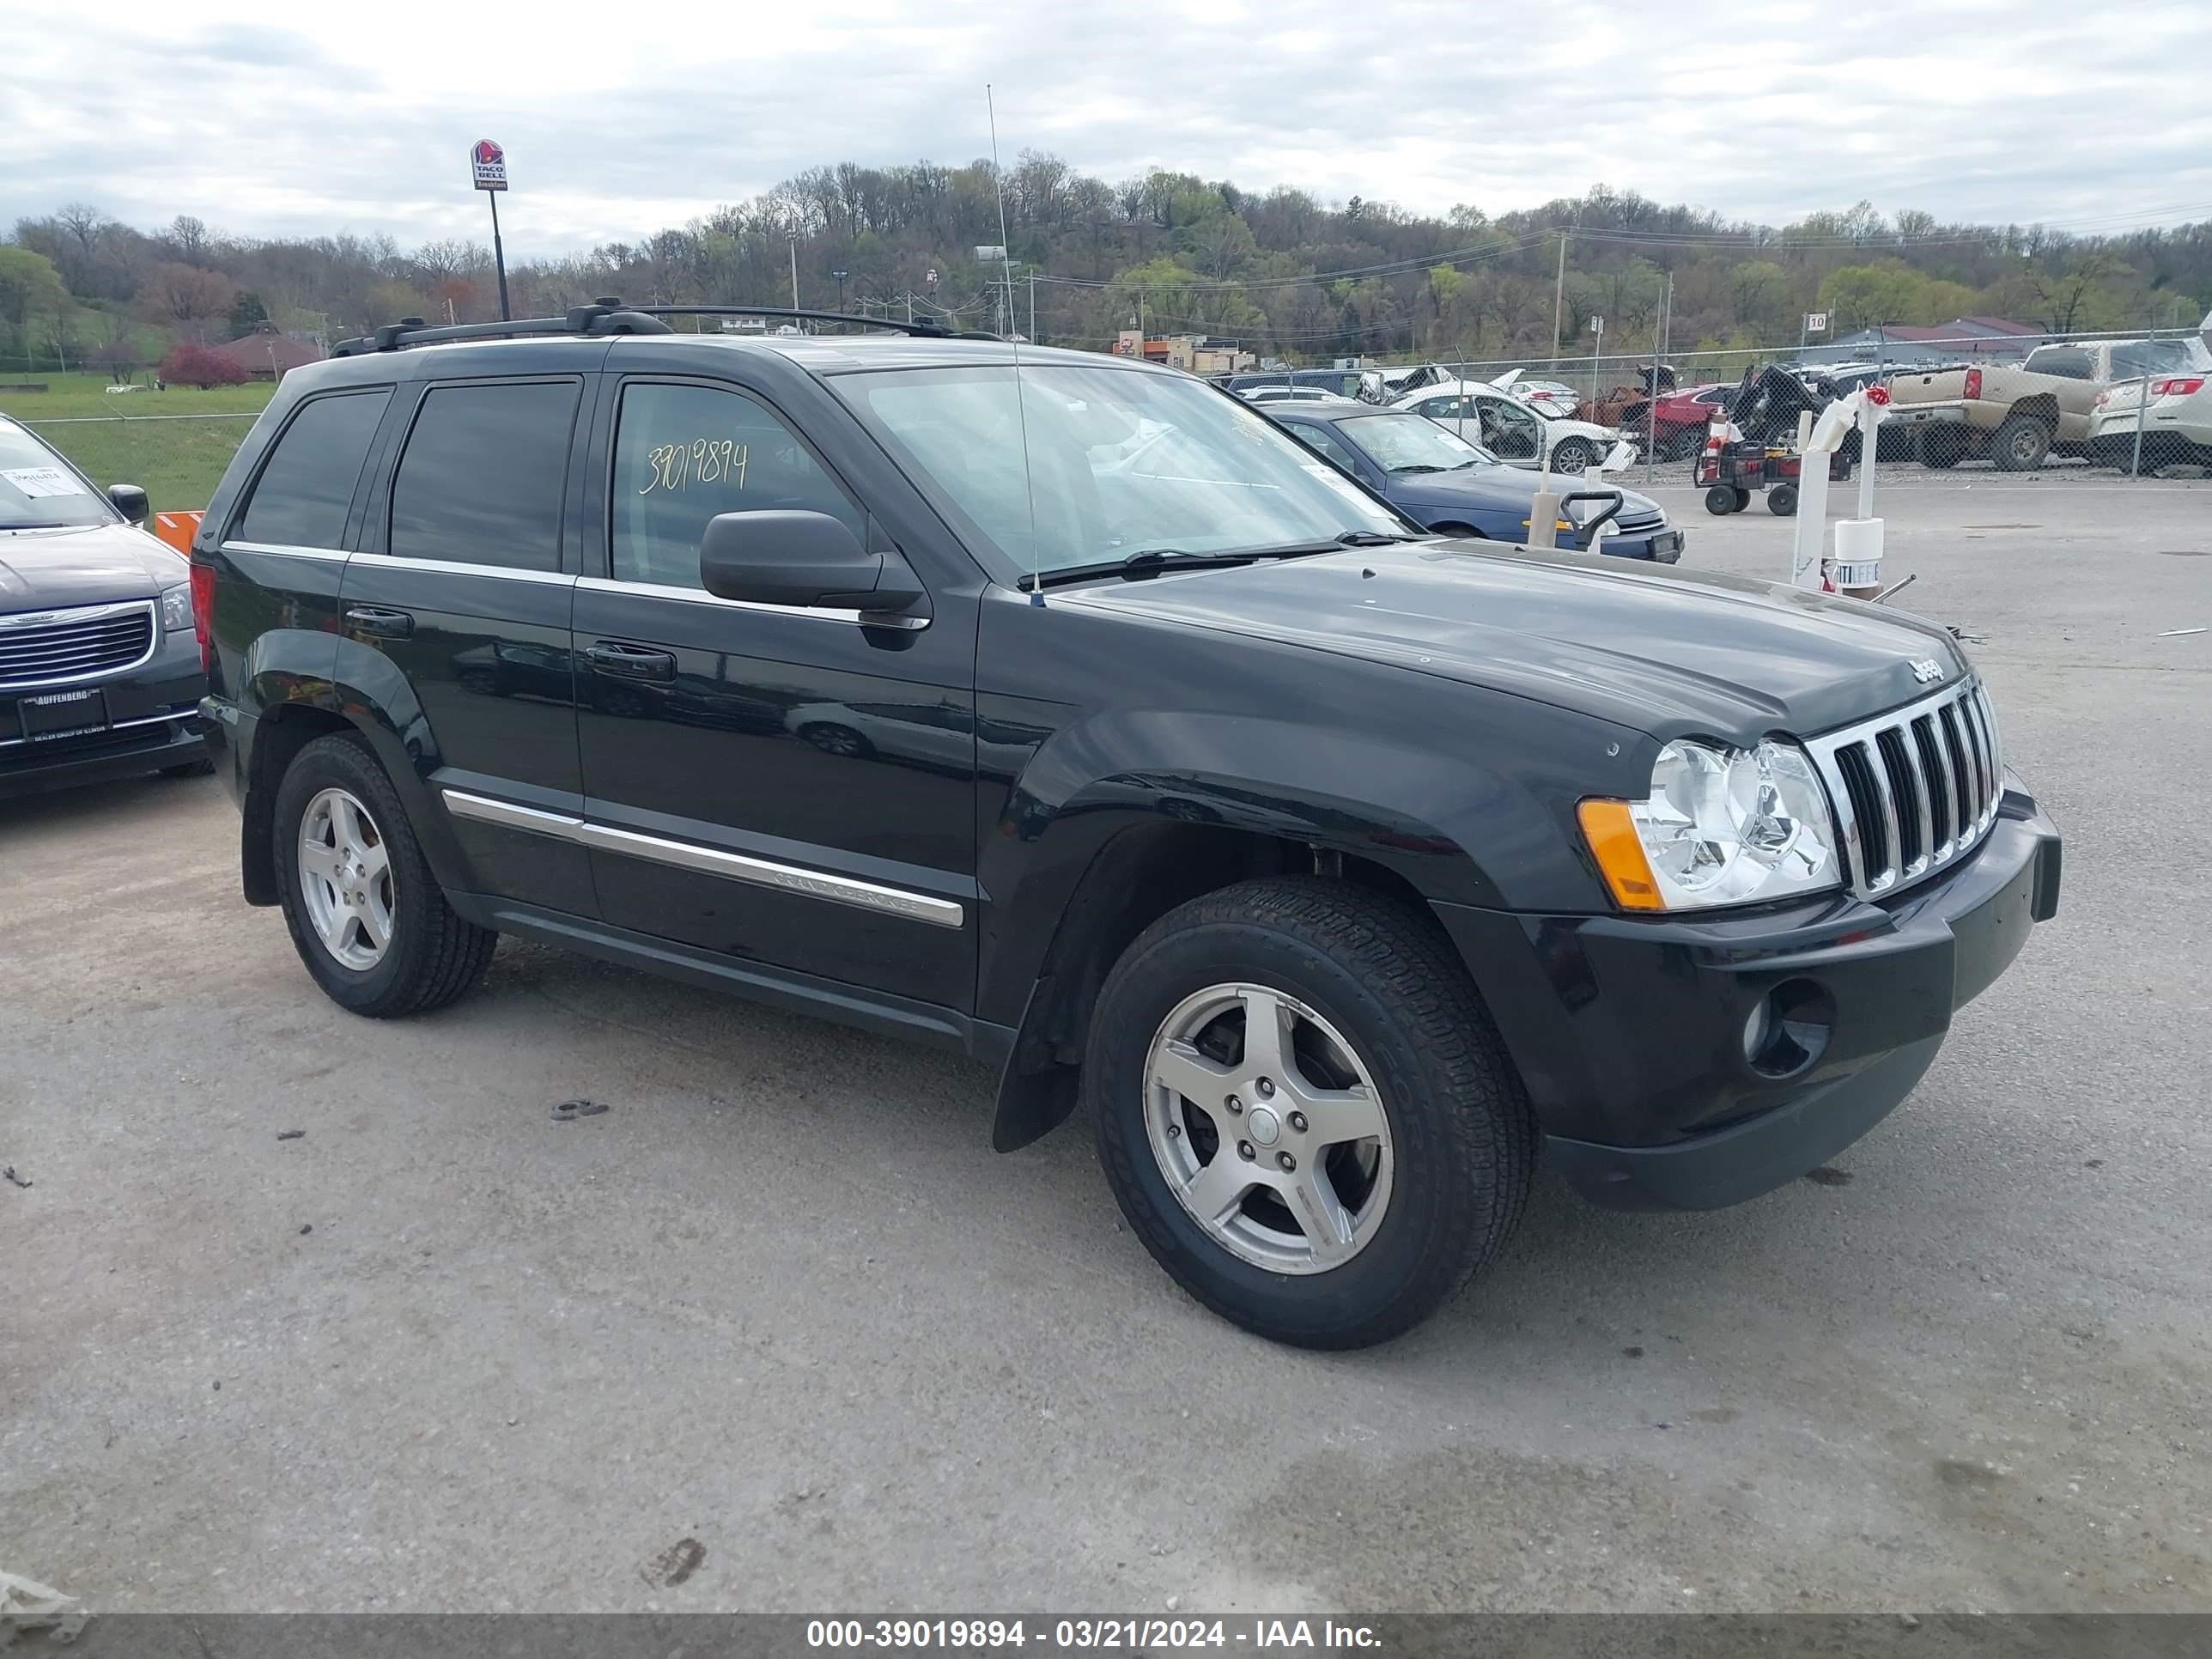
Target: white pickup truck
column 2017, row 414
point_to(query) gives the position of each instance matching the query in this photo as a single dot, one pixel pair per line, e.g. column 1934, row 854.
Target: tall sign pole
column 488, row 162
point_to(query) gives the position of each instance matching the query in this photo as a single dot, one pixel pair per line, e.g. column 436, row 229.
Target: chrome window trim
column 287, row 551
column 458, row 567
column 1969, row 705
column 710, row 860
column 87, row 613
column 701, row 596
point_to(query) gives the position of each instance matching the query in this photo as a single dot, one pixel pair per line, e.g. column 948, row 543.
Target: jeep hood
column 89, row 565
column 1670, row 652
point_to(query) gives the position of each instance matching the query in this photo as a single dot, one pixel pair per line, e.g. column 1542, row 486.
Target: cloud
column 268, row 121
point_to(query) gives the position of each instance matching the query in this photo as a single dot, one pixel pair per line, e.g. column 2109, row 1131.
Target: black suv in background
column 1066, row 712
column 100, row 659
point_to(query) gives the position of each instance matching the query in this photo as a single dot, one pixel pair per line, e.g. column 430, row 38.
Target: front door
column 779, row 785
column 463, row 584
column 1510, row 431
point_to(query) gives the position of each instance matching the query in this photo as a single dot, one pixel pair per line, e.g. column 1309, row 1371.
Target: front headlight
column 1721, row 826
column 177, row 609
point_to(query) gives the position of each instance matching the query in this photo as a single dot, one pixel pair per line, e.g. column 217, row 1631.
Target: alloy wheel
column 1268, row 1128
column 345, row 880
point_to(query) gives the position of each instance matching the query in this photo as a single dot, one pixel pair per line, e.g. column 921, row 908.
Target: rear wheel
column 1781, row 500
column 2020, row 444
column 1719, row 501
column 1743, row 500
column 365, row 914
column 1304, row 1111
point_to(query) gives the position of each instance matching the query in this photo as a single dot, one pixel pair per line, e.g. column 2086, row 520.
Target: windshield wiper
column 1136, row 567
column 1152, row 561
column 1419, row 466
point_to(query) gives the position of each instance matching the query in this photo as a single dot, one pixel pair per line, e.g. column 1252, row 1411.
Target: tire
column 2022, row 444
column 430, row 956
column 1719, row 501
column 1573, row 455
column 1743, row 500
column 1781, row 500
column 1424, row 1205
column 202, row 768
column 1942, row 449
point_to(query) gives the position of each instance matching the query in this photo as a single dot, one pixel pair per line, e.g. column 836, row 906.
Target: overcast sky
column 268, row 120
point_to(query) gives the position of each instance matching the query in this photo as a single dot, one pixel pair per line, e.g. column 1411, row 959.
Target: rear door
column 465, row 581
column 780, row 785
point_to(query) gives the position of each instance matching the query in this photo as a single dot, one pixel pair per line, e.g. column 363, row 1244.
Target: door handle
column 631, row 662
column 382, row 623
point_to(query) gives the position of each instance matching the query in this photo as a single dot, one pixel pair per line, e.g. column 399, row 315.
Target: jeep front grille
column 1913, row 791
column 53, row 647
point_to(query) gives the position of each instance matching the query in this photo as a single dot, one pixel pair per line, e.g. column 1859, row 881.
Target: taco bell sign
column 489, row 162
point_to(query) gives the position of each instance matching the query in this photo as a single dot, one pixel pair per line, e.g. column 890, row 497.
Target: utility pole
column 1558, row 297
column 794, row 270
column 1033, row 339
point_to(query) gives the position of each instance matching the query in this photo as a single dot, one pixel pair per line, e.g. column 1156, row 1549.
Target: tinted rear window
column 302, row 497
column 484, row 475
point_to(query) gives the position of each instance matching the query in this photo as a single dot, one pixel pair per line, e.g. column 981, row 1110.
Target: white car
column 2176, row 427
column 1549, row 397
column 1518, row 432
column 1294, row 394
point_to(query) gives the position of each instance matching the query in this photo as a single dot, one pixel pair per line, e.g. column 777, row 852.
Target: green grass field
column 132, row 438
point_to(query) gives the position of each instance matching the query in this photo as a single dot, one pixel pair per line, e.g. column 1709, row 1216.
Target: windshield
column 38, row 492
column 1399, row 442
column 1119, row 461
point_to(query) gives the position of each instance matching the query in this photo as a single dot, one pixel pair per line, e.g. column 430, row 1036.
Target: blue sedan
column 1453, row 488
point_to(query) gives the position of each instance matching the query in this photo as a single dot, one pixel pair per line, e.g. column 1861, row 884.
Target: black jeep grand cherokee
column 1069, row 713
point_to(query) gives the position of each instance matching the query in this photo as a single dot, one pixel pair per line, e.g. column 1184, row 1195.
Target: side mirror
column 131, row 502
column 810, row 559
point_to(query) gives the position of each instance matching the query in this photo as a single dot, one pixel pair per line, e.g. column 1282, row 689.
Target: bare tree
column 184, row 297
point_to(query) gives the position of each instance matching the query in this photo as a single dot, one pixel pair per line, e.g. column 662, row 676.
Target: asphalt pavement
column 777, row 1330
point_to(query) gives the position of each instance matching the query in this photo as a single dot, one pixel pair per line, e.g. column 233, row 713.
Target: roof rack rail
column 600, row 317
column 923, row 330
column 612, row 316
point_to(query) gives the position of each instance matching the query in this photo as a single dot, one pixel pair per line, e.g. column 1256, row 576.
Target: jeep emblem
column 1927, row 669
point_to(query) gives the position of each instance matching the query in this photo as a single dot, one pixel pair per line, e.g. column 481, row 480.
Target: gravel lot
column 782, row 1300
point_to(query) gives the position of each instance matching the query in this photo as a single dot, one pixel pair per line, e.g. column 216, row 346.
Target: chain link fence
column 178, row 460
column 1996, row 399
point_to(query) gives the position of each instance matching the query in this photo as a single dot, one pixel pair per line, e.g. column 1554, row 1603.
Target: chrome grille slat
column 1934, row 787
column 89, row 642
column 1914, row 790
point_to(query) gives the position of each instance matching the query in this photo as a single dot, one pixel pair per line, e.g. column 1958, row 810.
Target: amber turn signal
column 1619, row 850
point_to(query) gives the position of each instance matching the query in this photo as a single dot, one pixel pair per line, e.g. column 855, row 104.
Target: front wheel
column 1719, row 501
column 1781, row 500
column 1305, row 1112
column 1574, row 455
column 365, row 914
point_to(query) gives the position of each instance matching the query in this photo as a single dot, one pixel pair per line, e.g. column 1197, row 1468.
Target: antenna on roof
column 1021, row 409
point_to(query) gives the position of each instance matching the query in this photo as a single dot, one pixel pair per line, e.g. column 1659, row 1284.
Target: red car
column 1681, row 421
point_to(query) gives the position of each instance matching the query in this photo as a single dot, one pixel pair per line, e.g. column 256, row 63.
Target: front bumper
column 1631, row 1034
column 1662, row 546
column 130, row 723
